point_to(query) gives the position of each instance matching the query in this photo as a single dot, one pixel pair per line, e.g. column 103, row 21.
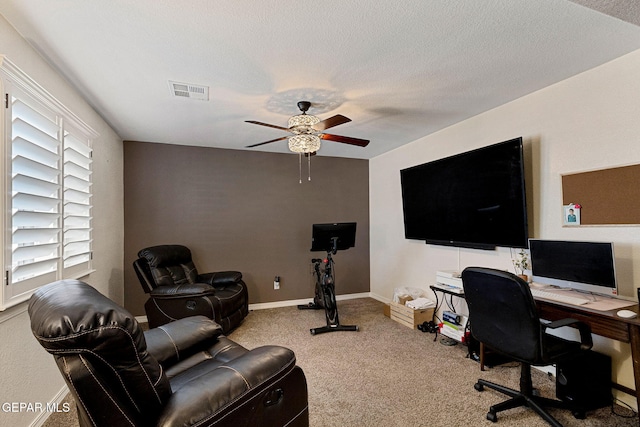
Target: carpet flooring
column 389, row 375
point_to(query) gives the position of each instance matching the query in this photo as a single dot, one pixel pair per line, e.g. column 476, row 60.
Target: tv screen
column 474, row 199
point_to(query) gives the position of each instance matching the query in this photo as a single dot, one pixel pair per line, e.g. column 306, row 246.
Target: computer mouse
column 627, row 314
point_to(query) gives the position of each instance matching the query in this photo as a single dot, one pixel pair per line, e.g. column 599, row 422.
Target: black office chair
column 503, row 316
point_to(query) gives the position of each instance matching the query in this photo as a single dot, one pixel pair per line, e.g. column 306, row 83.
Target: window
column 48, row 223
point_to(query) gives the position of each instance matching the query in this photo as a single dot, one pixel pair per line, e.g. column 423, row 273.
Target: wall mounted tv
column 474, row 199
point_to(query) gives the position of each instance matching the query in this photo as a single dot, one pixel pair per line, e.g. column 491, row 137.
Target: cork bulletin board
column 607, row 196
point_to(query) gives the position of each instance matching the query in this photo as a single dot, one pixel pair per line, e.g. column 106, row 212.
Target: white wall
column 27, row 372
column 590, row 121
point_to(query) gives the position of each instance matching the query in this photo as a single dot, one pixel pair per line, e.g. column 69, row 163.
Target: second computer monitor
column 333, row 237
column 587, row 266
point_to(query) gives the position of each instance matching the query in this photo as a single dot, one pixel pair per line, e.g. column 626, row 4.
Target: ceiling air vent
column 187, row 90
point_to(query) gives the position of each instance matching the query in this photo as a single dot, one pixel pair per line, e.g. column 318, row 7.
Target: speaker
column 585, row 381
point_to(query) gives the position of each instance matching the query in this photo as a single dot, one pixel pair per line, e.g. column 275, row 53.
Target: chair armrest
column 220, row 278
column 206, row 395
column 586, row 339
column 141, row 267
column 187, row 290
column 180, row 339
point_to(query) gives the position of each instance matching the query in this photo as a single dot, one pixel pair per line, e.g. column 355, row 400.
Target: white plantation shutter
column 48, row 208
column 77, row 203
column 35, row 196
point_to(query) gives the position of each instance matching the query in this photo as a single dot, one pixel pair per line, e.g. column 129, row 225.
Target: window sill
column 13, row 311
column 20, row 307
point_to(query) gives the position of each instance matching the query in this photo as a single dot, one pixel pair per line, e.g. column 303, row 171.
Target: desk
column 603, row 323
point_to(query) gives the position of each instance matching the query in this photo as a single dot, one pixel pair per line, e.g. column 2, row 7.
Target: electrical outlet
column 276, row 283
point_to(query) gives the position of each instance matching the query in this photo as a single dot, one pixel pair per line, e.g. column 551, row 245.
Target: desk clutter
column 410, row 307
column 454, row 326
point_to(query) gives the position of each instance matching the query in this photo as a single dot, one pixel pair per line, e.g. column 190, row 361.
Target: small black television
column 333, row 237
column 474, row 199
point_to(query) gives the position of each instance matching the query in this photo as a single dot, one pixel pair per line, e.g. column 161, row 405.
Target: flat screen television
column 475, row 199
column 586, row 266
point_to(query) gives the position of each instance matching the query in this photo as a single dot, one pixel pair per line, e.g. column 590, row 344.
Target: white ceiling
column 399, row 70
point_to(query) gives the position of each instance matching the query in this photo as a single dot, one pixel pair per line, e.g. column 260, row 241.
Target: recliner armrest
column 220, row 278
column 187, row 290
column 182, row 338
column 206, row 395
column 586, row 340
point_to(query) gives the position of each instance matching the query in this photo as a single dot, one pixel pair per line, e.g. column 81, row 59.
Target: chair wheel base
column 491, row 416
column 478, row 387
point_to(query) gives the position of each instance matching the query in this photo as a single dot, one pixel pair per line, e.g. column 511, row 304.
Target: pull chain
column 300, row 167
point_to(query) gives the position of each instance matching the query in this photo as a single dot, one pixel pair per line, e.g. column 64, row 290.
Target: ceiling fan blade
column 331, row 122
column 268, row 125
column 267, row 142
column 345, row 139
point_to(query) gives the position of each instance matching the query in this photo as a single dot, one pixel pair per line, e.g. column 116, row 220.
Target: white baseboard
column 57, row 402
column 380, row 298
column 289, row 303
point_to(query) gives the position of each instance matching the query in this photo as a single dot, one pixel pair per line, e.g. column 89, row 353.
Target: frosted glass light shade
column 304, row 143
column 303, row 120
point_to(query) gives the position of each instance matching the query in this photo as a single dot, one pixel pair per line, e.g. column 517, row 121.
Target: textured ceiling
column 399, row 70
column 627, row 10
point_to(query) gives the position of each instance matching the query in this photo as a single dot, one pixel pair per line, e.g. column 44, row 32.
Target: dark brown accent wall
column 245, row 211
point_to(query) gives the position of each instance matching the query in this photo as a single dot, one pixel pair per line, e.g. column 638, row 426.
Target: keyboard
column 559, row 297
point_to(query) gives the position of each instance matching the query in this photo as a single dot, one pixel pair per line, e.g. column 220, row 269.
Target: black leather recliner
column 503, row 315
column 184, row 373
column 176, row 290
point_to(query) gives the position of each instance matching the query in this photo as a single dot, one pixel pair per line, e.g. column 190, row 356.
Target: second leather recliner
column 176, row 289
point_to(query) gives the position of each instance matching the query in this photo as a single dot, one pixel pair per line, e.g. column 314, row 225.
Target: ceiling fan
column 308, row 130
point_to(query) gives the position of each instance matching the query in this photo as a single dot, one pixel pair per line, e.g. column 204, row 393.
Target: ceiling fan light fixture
column 304, row 143
column 302, row 123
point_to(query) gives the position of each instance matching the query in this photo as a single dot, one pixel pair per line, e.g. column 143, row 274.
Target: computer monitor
column 586, row 266
column 333, row 237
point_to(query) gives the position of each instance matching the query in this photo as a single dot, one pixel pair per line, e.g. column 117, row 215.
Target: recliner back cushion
column 72, row 318
column 170, row 264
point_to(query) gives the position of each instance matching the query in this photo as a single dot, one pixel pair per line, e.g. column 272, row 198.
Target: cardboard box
column 387, row 310
column 402, row 299
column 409, row 317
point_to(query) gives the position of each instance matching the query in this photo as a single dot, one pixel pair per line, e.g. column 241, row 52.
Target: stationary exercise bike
column 325, row 296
